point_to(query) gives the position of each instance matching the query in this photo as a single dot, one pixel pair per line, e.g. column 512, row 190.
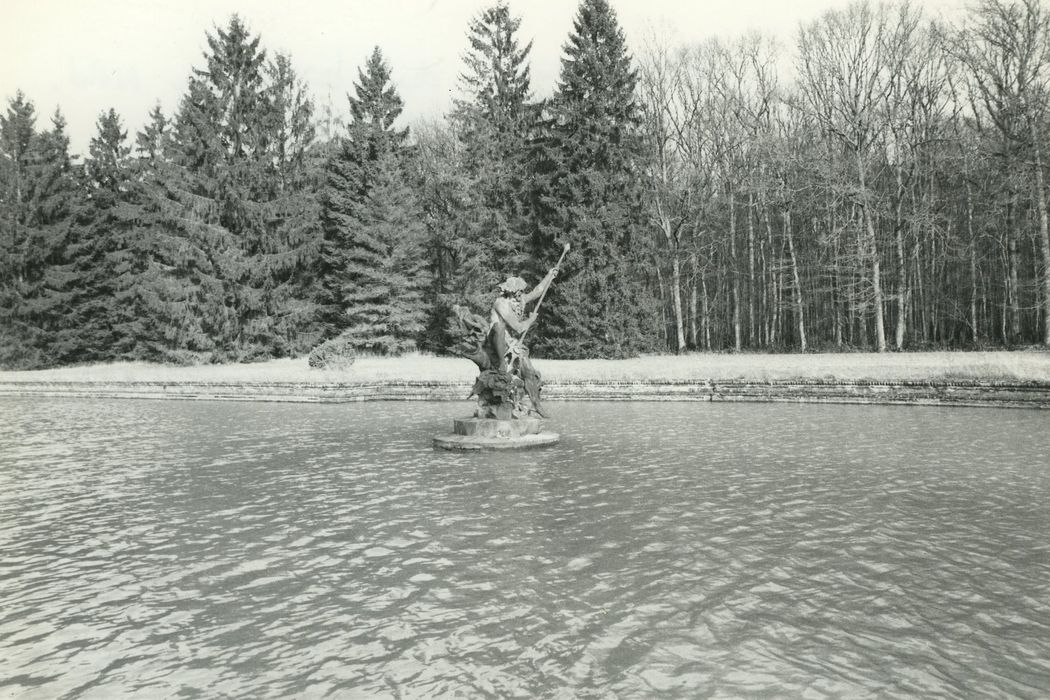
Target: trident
column 536, row 309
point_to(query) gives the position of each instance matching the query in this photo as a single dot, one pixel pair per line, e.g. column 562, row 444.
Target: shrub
column 337, row 353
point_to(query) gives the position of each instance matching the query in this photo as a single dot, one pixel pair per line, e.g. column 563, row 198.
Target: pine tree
column 493, row 122
column 43, row 289
column 445, row 193
column 374, row 108
column 372, row 273
column 497, row 80
column 240, row 140
column 586, row 171
column 195, row 198
column 17, row 132
column 385, row 274
column 283, row 267
column 103, row 219
column 139, row 268
column 158, row 281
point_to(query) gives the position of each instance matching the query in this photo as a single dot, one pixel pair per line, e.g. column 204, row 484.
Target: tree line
column 884, row 189
column 888, row 193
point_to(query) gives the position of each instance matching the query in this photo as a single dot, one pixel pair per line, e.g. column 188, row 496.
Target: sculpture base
column 473, row 434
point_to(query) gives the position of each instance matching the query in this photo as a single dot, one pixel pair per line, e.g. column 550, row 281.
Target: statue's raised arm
column 540, row 289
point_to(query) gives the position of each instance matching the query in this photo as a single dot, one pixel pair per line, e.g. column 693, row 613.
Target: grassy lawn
column 1025, row 366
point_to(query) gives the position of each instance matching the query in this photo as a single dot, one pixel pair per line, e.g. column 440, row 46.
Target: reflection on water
column 167, row 548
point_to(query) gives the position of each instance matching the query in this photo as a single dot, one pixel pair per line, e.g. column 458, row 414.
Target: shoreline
column 999, row 379
column 960, row 393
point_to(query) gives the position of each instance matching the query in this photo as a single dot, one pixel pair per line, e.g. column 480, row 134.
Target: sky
column 86, row 56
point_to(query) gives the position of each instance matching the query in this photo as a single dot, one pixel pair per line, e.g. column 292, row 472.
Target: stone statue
column 508, row 386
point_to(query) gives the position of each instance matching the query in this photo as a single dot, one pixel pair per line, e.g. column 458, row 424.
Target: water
column 156, row 549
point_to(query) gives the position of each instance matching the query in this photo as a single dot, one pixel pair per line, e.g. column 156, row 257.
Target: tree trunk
column 920, row 286
column 836, row 305
column 676, row 298
column 705, row 314
column 974, row 333
column 750, row 270
column 770, row 265
column 692, row 301
column 800, row 316
column 873, row 251
column 663, row 305
column 1013, row 286
column 984, row 302
column 737, row 329
column 1044, row 234
column 902, row 269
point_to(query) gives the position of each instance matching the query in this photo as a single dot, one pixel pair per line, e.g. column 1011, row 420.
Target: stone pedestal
column 493, row 434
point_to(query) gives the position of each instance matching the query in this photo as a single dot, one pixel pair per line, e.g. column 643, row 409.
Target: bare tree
column 847, row 61
column 1006, row 46
column 669, row 195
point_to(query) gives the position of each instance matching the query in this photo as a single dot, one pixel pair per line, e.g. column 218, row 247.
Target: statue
column 508, row 386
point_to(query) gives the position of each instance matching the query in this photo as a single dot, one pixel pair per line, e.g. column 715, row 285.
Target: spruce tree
column 385, row 274
column 496, row 80
column 374, row 107
column 284, row 266
column 142, row 262
column 158, row 267
column 372, row 273
column 493, row 121
column 587, row 191
column 103, row 220
column 45, row 288
column 196, row 199
column 17, row 133
column 240, row 140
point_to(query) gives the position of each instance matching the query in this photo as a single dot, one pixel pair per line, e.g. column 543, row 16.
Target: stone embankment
column 938, row 393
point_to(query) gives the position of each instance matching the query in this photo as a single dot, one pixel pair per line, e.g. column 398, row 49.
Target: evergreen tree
column 445, row 197
column 17, row 132
column 158, row 265
column 496, row 79
column 145, row 261
column 153, row 141
column 385, row 274
column 374, row 107
column 194, row 199
column 240, row 141
column 493, row 122
column 220, row 139
column 337, row 200
column 17, row 128
column 90, row 331
column 44, row 202
column 284, row 266
column 587, row 191
column 372, row 272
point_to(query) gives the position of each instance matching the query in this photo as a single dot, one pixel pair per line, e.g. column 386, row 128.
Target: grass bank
column 1026, row 367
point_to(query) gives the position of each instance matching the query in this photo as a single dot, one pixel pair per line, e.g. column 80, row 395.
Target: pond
column 661, row 550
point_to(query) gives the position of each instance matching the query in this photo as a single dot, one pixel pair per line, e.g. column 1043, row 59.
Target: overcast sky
column 88, row 55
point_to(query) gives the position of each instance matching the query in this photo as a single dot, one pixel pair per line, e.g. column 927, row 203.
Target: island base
column 470, row 434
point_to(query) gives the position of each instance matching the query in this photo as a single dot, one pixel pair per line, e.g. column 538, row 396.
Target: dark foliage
column 586, row 190
column 373, row 273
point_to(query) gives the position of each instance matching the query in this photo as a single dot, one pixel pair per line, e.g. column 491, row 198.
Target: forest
column 878, row 184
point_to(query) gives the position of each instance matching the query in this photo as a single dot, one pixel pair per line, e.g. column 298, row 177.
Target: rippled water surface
column 205, row 549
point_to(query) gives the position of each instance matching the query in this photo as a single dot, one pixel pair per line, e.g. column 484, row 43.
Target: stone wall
column 956, row 393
